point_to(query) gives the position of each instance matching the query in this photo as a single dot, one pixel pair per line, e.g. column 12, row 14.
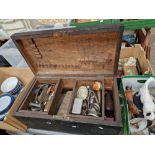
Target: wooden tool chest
column 70, row 59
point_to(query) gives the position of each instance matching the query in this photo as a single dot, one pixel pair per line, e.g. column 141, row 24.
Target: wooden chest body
column 71, row 58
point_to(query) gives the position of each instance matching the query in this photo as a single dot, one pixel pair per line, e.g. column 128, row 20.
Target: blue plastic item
column 130, row 38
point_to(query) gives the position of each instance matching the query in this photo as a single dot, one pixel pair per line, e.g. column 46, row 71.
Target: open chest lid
column 73, row 51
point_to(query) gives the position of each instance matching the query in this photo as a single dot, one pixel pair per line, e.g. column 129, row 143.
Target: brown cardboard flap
column 82, row 51
column 138, row 52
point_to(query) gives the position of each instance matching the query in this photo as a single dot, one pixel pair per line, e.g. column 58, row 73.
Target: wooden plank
column 6, row 126
column 25, row 75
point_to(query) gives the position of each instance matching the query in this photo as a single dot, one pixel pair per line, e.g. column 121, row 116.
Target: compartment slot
column 109, row 104
column 31, row 97
column 90, row 82
column 109, row 99
column 112, row 88
column 64, row 96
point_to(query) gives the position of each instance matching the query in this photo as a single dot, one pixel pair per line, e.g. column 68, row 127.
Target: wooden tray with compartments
column 71, row 58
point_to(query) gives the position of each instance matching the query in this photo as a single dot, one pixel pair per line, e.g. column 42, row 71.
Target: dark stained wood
column 109, row 83
column 73, row 51
column 116, row 102
column 71, row 127
column 70, row 57
column 143, row 39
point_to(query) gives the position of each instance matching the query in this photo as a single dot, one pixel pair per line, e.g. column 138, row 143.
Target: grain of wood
column 72, row 54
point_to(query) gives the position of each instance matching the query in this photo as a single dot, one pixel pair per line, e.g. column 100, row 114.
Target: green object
column 125, row 118
column 141, row 81
column 125, row 109
column 128, row 25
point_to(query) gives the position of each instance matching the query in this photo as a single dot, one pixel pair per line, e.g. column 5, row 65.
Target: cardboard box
column 25, row 75
column 138, row 52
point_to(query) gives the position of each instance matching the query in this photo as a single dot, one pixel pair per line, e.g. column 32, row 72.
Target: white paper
column 77, row 106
